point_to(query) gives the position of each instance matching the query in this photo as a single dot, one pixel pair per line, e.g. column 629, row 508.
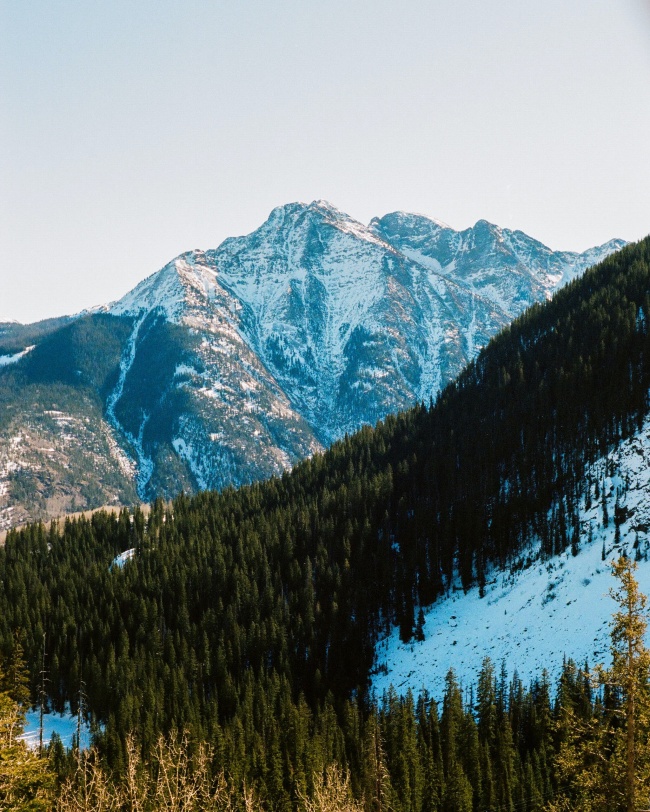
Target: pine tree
column 376, row 779
column 603, row 761
column 25, row 781
column 16, row 680
column 629, row 672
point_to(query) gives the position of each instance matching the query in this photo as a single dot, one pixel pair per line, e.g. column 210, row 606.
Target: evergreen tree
column 603, row 761
column 26, row 784
column 16, row 679
column 629, row 673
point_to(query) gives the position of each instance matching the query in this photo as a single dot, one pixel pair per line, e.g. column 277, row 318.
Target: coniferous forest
column 246, row 621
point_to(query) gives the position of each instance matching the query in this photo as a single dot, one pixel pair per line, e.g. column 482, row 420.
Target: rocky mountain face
column 231, row 364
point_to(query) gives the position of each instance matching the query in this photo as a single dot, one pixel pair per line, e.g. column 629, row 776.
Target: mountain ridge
column 231, row 364
column 273, row 281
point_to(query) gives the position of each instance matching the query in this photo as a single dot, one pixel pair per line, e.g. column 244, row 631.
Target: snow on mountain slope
column 310, row 327
column 348, row 326
column 236, row 423
column 355, row 322
column 180, row 287
column 551, row 610
column 509, row 268
column 232, row 364
column 5, row 360
column 51, row 458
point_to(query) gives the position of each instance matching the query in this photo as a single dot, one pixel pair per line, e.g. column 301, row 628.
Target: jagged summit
column 402, row 221
column 300, row 220
column 173, row 289
column 342, row 321
column 297, row 241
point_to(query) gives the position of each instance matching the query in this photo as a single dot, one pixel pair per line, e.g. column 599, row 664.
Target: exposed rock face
column 232, row 364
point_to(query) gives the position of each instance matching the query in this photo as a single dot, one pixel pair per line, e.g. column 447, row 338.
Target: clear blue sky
column 133, row 131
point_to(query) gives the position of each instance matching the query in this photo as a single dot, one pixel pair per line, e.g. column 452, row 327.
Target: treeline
column 489, row 748
column 493, row 746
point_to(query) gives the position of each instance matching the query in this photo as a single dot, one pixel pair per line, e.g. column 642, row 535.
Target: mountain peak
column 325, row 205
column 399, row 224
column 299, row 208
column 486, row 232
column 297, row 220
column 169, row 288
column 236, row 362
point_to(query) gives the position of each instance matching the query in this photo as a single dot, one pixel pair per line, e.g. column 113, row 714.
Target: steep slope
column 349, row 327
column 312, row 326
column 356, row 322
column 233, row 364
column 508, row 268
column 192, row 390
column 58, row 453
column 559, row 608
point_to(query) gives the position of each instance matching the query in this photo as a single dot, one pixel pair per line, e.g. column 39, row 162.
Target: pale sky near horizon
column 133, row 131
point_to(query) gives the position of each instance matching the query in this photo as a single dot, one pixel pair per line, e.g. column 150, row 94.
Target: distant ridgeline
column 265, row 603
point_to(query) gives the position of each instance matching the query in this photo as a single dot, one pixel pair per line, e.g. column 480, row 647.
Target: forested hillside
column 249, row 613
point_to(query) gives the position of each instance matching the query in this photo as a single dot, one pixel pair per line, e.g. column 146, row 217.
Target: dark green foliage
column 84, row 353
column 17, row 337
column 15, row 680
column 60, row 384
column 249, row 617
column 148, row 386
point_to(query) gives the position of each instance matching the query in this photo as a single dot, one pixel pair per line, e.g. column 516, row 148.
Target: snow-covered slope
column 236, row 423
column 537, row 616
column 508, row 268
column 353, row 322
column 5, row 360
column 350, row 327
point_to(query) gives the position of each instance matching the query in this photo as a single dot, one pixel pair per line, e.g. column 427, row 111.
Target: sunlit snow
column 303, row 309
column 535, row 618
column 120, row 560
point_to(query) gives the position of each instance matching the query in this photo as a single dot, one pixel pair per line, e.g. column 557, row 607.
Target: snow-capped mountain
column 354, row 322
column 508, row 268
column 231, row 364
column 228, row 419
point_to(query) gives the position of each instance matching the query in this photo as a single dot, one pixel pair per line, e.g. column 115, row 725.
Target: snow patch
column 120, row 560
column 145, row 464
column 5, row 360
column 188, row 453
column 65, row 725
